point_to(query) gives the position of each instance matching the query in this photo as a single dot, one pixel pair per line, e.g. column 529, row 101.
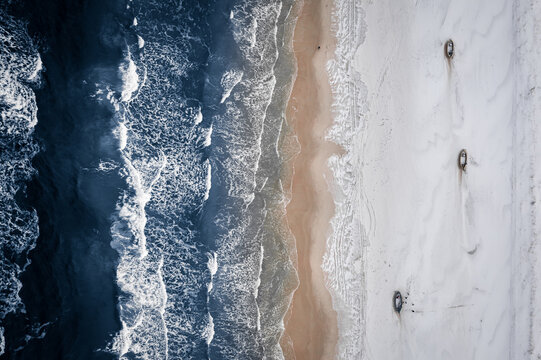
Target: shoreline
column 311, row 323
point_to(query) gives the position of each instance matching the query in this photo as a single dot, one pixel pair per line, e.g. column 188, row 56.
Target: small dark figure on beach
column 463, row 159
column 449, row 48
column 397, row 301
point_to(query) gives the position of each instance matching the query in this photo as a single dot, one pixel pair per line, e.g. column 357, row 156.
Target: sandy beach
column 311, row 329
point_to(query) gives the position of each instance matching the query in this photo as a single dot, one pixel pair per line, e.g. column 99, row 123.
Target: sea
column 144, row 158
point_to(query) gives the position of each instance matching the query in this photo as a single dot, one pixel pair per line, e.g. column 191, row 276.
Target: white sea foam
column 258, row 282
column 212, row 265
column 121, row 133
column 208, row 137
column 229, row 80
column 20, row 67
column 132, row 208
column 208, row 180
column 211, row 330
column 246, row 130
column 130, row 79
column 245, row 26
column 137, row 274
column 261, row 55
column 157, row 326
column 107, row 166
column 2, row 341
column 198, row 117
column 140, row 42
column 159, row 271
column 35, row 75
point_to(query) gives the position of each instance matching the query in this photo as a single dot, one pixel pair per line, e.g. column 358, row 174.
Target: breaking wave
column 251, row 237
column 199, row 227
column 161, row 268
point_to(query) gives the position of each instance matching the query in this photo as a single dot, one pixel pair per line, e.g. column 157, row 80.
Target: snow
column 461, row 247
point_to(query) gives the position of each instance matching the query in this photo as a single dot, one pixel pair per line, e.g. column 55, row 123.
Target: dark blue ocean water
column 142, row 205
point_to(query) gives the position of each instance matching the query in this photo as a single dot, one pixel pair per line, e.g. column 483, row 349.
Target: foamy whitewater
column 199, row 211
column 20, row 67
column 159, row 182
column 164, row 170
column 459, row 246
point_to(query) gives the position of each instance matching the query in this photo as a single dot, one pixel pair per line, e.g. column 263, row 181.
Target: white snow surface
column 462, row 248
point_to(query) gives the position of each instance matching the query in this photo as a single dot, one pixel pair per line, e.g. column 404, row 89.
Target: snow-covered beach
column 460, row 246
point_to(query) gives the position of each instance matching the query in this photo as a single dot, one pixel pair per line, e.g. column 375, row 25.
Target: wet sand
column 311, row 325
